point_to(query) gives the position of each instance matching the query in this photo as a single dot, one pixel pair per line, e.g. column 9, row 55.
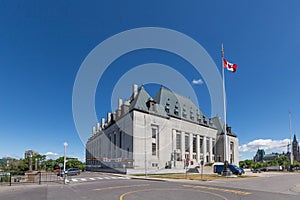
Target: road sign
column 105, row 159
column 187, row 161
column 60, row 165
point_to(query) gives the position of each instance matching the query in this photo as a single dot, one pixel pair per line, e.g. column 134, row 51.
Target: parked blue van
column 218, row 168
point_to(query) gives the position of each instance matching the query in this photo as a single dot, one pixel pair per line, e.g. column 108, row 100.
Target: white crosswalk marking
column 123, row 177
column 75, row 180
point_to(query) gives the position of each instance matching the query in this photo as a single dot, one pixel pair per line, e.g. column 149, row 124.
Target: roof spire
column 295, row 139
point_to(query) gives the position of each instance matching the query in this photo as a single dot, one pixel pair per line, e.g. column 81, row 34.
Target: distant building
column 295, row 148
column 30, row 152
column 157, row 133
column 259, row 155
column 271, row 156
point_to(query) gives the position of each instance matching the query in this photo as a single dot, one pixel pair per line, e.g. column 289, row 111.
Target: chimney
column 124, row 109
column 108, row 117
column 120, row 102
column 102, row 122
column 113, row 116
column 94, row 130
column 135, row 90
column 98, row 127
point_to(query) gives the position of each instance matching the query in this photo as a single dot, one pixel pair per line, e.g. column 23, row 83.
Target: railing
column 7, row 178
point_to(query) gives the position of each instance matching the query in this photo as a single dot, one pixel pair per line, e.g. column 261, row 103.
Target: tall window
column 194, row 144
column 178, row 141
column 109, row 145
column 120, row 139
column 207, row 145
column 201, row 144
column 187, row 143
column 155, row 141
column 178, row 155
column 213, row 147
column 231, row 152
column 115, row 145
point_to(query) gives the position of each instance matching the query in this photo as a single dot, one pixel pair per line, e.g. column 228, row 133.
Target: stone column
column 204, row 149
column 183, row 145
column 210, row 150
column 117, row 144
column 198, row 148
column 191, row 145
column 173, row 143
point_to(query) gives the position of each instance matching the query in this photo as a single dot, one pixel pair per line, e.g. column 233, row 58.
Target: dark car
column 73, row 171
column 69, row 172
column 218, row 168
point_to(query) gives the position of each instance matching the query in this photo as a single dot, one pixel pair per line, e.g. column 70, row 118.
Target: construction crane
column 288, row 145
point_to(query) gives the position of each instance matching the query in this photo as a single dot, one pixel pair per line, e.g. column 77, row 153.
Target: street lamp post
column 30, row 162
column 65, row 159
column 36, row 164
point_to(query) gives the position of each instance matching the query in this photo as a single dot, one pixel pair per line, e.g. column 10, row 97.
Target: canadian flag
column 229, row 66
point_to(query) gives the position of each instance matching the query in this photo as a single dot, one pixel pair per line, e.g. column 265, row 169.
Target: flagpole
column 290, row 126
column 224, row 107
column 226, row 171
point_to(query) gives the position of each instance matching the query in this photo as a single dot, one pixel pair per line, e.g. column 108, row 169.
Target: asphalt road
column 133, row 189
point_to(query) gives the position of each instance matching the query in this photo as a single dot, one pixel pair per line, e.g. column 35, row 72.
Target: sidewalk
column 281, row 182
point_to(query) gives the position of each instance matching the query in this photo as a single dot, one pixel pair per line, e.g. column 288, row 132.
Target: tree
column 71, row 163
column 246, row 163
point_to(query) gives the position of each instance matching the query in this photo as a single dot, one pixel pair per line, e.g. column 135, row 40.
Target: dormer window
column 204, row 120
column 184, row 113
column 151, row 105
column 198, row 118
column 192, row 115
column 176, row 111
column 167, row 107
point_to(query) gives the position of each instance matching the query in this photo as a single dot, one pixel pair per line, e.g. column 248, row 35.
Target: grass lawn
column 204, row 177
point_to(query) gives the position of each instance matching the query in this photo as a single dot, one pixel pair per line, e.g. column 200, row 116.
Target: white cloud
column 51, row 155
column 268, row 145
column 197, row 82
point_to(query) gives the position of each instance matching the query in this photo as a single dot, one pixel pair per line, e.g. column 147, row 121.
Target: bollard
column 9, row 179
column 40, row 178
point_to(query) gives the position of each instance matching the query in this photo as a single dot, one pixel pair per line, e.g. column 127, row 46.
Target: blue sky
column 43, row 44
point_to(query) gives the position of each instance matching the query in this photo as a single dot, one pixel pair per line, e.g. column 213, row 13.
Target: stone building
column 29, row 153
column 259, row 156
column 161, row 132
column 296, row 150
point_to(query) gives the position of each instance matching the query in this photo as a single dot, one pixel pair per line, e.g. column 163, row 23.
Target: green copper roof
column 178, row 106
column 167, row 103
column 139, row 103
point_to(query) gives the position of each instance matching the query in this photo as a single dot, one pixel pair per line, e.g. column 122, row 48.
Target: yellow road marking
column 156, row 189
column 121, row 186
column 219, row 189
